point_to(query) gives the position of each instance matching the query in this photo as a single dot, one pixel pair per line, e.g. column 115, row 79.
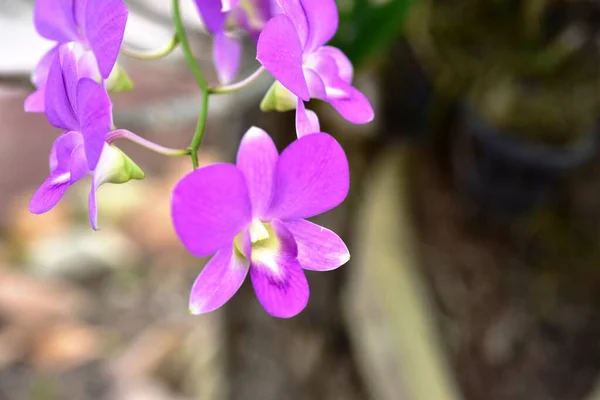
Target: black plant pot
column 504, row 176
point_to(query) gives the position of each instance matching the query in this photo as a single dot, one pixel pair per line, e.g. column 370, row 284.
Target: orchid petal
column 252, row 16
column 78, row 166
column 40, row 73
column 105, row 22
column 323, row 20
column 93, row 207
column 95, row 114
column 88, row 66
column 62, row 150
column 36, row 101
column 55, row 186
column 355, row 108
column 49, row 193
column 257, row 158
column 319, row 249
column 227, row 5
column 312, row 176
column 59, row 108
column 280, row 51
column 344, row 65
column 212, row 16
column 307, row 121
column 316, row 87
column 210, row 206
column 294, row 10
column 227, row 53
column 55, row 20
column 220, row 279
column 102, row 174
column 326, row 67
column 79, row 9
column 277, row 277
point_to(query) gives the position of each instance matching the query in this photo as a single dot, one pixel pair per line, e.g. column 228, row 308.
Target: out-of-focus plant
column 528, row 67
column 368, row 27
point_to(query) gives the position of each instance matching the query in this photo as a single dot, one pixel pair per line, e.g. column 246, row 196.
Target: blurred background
column 473, row 221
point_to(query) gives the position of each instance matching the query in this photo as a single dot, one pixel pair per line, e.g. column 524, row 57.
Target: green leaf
column 367, row 28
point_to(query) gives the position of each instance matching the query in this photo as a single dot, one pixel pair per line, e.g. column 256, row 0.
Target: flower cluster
column 251, row 216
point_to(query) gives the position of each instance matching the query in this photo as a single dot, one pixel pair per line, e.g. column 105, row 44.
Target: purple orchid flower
column 68, row 164
column 95, row 26
column 292, row 48
column 252, row 217
column 249, row 15
column 81, row 107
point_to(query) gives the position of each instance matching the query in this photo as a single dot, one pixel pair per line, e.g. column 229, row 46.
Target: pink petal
column 55, row 20
column 210, row 206
column 49, row 193
column 78, row 165
column 316, row 87
column 277, row 278
column 326, row 68
column 218, row 282
column 62, row 148
column 93, row 207
column 355, row 108
column 227, row 53
column 280, row 51
column 59, row 107
column 312, row 176
column 294, row 10
column 40, row 74
column 345, row 68
column 227, row 5
column 307, row 121
column 104, row 29
column 256, row 158
column 95, row 115
column 36, row 101
column 55, row 186
column 319, row 249
column 323, row 19
column 212, row 16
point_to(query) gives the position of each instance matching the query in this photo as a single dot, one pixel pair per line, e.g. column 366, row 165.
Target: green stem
column 200, row 80
column 199, row 132
column 235, row 87
column 165, row 51
column 185, row 47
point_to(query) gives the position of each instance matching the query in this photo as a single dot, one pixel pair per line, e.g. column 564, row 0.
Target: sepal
column 278, row 98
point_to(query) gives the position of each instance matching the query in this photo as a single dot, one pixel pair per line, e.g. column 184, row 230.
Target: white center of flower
column 258, row 231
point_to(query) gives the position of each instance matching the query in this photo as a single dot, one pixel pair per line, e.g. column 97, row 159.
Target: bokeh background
column 473, row 221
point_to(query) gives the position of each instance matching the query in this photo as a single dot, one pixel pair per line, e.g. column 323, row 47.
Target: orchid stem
column 125, row 134
column 165, row 51
column 185, row 47
column 200, row 80
column 235, row 87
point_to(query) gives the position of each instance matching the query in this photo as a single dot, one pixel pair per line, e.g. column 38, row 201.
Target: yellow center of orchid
column 258, row 231
column 264, row 242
